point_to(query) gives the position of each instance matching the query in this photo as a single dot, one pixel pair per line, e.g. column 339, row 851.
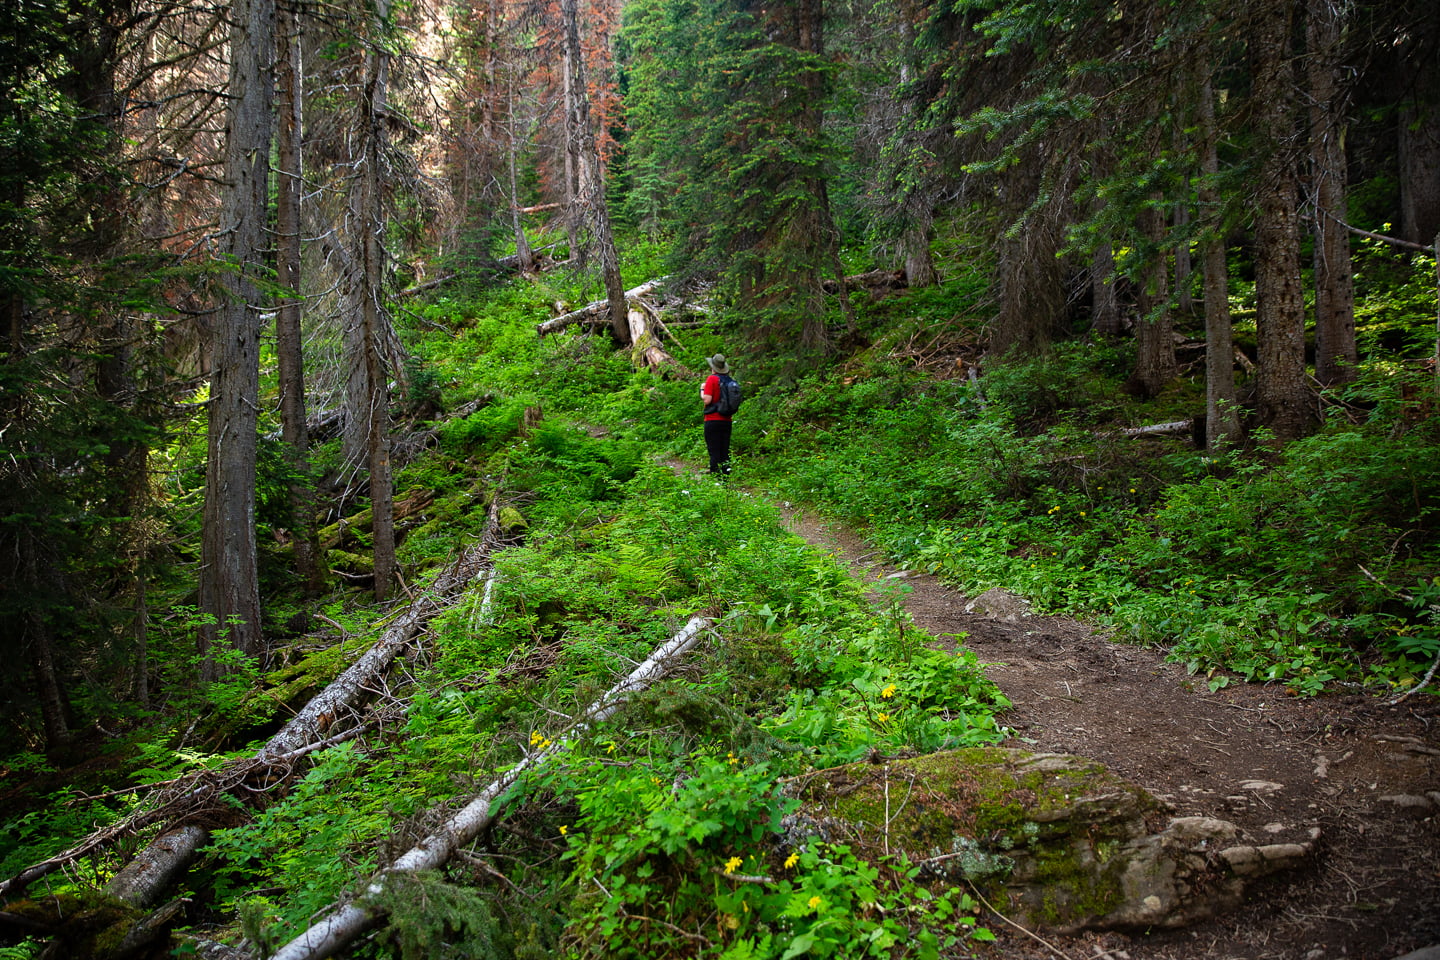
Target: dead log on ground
column 346, row 923
column 1174, row 426
column 878, row 282
column 596, row 312
column 166, row 857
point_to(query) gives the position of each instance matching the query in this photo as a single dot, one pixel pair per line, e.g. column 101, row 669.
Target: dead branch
column 167, row 856
column 346, row 923
column 596, row 312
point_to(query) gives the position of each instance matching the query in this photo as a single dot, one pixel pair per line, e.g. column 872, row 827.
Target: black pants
column 717, row 441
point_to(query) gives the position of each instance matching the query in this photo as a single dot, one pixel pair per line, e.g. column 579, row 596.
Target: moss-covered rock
column 1057, row 841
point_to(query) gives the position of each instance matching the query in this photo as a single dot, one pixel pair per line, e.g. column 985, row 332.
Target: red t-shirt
column 712, row 389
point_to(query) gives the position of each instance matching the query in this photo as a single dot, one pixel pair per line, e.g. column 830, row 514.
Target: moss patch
column 1041, row 834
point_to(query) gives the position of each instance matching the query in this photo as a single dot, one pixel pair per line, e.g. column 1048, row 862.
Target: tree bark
column 289, row 344
column 1155, row 365
column 368, row 331
column 342, row 926
column 1105, row 304
column 229, row 586
column 1222, row 415
column 1283, row 395
column 1335, row 351
column 1419, row 124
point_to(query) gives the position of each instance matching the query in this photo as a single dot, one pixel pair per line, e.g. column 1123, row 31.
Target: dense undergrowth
column 666, row 832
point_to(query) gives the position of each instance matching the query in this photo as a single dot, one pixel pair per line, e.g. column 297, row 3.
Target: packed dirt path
column 1366, row 775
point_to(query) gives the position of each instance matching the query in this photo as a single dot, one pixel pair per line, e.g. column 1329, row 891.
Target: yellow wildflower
column 564, row 829
column 888, row 692
column 814, row 903
column 882, row 717
column 731, row 759
column 791, row 860
column 732, row 864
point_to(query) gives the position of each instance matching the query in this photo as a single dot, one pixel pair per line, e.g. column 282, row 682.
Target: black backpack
column 729, row 399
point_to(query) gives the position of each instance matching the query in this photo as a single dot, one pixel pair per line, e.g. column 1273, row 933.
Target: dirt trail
column 1275, row 765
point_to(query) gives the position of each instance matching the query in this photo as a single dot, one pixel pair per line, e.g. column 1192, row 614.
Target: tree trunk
column 915, row 241
column 368, row 332
column 591, row 193
column 1335, row 352
column 1105, row 304
column 522, row 244
column 289, row 344
column 1222, row 415
column 1184, row 266
column 155, row 869
column 229, row 587
column 1155, row 364
column 47, row 685
column 1029, row 276
column 1283, row 396
column 1419, row 124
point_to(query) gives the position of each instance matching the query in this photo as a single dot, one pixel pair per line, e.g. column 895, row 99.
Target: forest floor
column 1275, row 765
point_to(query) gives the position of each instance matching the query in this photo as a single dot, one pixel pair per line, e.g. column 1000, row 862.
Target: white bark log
column 1175, row 426
column 156, row 867
column 346, row 923
column 598, row 311
column 168, row 855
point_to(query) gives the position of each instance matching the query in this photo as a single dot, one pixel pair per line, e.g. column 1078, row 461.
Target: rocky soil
column 1364, row 773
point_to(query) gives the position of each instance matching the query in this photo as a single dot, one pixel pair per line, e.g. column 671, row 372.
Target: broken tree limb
column 346, row 923
column 597, row 312
column 167, row 856
column 645, row 349
column 1175, row 426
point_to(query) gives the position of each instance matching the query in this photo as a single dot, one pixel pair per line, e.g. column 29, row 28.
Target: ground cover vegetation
column 792, row 167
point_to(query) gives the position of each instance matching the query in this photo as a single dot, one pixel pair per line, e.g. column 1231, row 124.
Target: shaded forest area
column 1130, row 308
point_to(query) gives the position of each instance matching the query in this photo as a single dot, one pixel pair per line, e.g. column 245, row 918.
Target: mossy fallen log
column 327, row 714
column 91, row 925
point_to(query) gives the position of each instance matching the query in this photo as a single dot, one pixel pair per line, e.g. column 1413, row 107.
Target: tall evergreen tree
column 229, row 584
column 737, row 125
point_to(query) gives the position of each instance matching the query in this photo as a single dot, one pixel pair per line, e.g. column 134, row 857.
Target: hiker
column 721, row 396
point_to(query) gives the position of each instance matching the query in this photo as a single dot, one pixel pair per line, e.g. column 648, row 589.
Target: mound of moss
column 1055, row 840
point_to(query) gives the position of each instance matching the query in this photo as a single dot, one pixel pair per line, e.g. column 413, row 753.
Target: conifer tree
column 229, row 584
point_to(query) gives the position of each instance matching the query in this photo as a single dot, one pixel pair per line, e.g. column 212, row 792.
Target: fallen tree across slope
column 349, row 921
column 329, row 718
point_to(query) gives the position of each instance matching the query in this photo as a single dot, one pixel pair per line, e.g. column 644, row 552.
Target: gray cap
column 718, row 364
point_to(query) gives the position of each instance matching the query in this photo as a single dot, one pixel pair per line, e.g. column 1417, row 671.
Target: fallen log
column 167, row 856
column 346, row 923
column 1175, row 426
column 596, row 312
column 876, row 281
